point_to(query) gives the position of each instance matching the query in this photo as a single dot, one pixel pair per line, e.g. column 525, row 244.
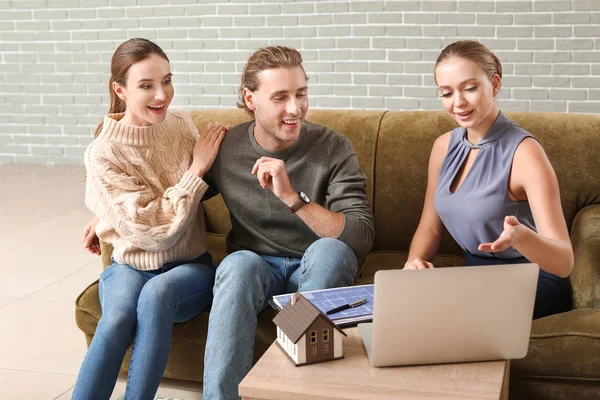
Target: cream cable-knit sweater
column 139, row 185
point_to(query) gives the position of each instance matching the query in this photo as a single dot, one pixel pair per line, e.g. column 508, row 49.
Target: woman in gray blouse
column 490, row 183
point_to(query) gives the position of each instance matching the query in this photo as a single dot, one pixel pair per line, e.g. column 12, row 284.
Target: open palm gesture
column 509, row 237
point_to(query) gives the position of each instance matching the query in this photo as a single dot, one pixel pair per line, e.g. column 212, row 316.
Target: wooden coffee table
column 275, row 377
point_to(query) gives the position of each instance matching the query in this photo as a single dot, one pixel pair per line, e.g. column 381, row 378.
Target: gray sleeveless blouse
column 475, row 213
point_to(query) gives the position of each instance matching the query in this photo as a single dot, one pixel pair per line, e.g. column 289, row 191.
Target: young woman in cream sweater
column 144, row 183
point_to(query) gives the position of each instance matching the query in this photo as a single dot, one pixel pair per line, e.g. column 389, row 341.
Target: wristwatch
column 302, row 201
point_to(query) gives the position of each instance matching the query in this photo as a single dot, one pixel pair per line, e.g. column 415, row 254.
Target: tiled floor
column 44, row 268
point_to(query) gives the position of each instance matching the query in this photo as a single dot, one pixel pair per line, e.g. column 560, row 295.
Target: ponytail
column 117, row 105
column 498, row 65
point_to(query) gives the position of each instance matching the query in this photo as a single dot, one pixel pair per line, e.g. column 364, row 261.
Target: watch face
column 304, row 197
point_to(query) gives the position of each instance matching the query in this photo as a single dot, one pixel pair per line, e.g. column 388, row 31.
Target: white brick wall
column 54, row 56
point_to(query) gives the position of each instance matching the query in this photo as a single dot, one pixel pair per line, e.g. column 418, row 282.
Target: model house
column 305, row 334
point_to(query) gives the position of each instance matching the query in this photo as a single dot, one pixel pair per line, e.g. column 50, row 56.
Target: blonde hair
column 473, row 51
column 270, row 57
column 128, row 53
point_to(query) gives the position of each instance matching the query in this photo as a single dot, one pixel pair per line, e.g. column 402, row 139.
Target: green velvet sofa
column 393, row 148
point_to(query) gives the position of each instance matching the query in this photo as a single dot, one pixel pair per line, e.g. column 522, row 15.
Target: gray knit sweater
column 321, row 163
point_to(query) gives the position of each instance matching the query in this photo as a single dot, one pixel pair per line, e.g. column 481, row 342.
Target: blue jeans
column 244, row 283
column 144, row 304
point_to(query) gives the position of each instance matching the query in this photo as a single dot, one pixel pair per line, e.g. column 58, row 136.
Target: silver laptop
column 446, row 315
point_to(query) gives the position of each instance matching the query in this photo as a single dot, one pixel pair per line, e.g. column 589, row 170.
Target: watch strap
column 297, row 205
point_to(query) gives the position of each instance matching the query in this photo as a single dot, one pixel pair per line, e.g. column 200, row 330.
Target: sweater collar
column 283, row 154
column 116, row 131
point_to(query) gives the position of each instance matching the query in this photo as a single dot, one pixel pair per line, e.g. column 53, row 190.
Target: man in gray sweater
column 299, row 211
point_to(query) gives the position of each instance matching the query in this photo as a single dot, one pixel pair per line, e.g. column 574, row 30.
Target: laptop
column 452, row 314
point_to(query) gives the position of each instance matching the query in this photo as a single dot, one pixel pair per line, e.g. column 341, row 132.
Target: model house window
column 313, row 351
column 295, row 349
column 326, row 335
column 284, row 337
column 313, row 337
column 326, row 348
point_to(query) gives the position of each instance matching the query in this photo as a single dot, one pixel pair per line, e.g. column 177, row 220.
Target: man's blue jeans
column 244, row 283
column 144, row 304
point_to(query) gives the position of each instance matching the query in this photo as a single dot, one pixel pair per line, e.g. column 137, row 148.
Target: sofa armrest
column 585, row 278
column 563, row 348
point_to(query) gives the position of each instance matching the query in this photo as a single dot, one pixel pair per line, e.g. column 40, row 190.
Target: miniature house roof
column 296, row 317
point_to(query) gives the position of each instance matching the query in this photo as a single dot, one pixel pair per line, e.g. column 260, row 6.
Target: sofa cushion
column 217, row 247
column 552, row 389
column 563, row 346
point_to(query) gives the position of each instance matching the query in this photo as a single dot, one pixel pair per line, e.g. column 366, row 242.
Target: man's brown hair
column 270, row 57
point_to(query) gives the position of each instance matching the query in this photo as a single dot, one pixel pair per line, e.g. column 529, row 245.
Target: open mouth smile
column 157, row 109
column 464, row 115
column 291, row 122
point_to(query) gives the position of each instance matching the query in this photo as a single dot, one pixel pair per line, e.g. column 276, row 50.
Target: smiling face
column 279, row 104
column 467, row 93
column 147, row 92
